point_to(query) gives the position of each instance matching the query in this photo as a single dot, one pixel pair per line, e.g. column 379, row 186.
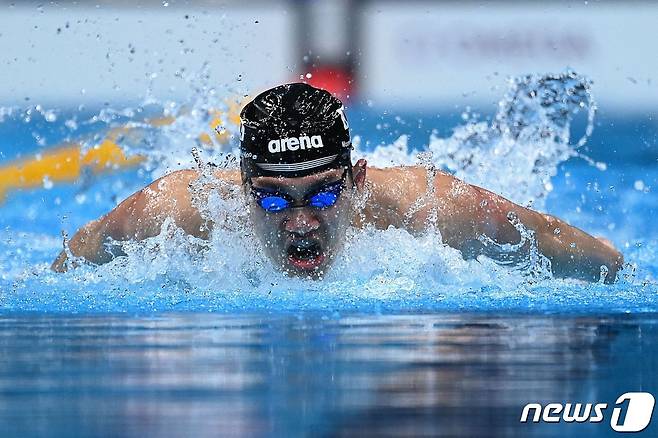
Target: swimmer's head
column 296, row 169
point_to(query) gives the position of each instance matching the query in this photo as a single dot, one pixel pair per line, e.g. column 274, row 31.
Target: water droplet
column 50, row 116
column 601, row 166
column 309, row 75
column 71, row 124
column 556, row 231
column 47, row 183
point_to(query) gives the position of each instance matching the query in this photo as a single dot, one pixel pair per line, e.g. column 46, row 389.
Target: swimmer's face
column 302, row 240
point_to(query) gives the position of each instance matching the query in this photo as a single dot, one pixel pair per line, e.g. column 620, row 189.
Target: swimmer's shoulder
column 172, row 188
column 175, row 195
column 412, row 181
column 179, row 182
column 192, row 184
column 393, row 192
column 402, row 194
column 231, row 176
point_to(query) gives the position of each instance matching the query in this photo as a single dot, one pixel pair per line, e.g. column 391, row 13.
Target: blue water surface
column 87, row 355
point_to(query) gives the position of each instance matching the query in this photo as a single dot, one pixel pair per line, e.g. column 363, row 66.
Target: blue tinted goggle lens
column 325, row 198
column 273, row 203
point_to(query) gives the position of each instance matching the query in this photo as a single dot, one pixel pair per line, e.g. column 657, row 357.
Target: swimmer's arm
column 138, row 217
column 467, row 215
column 572, row 252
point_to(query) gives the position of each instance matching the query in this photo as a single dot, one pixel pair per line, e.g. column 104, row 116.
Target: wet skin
column 404, row 197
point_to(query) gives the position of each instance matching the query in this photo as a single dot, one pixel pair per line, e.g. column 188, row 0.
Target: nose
column 301, row 221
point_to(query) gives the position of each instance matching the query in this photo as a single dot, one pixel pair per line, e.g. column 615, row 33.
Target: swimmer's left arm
column 572, row 252
column 468, row 216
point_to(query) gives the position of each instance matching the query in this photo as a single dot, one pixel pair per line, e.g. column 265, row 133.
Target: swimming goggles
column 322, row 198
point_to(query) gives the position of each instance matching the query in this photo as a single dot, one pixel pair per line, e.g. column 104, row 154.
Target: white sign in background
column 68, row 54
column 422, row 53
column 415, row 54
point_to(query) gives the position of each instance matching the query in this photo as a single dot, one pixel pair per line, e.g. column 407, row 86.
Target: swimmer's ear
column 359, row 172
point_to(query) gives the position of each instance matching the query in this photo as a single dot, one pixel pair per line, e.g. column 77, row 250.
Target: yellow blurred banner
column 65, row 162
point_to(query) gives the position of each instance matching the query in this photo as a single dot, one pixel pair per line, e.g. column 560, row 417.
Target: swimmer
column 303, row 192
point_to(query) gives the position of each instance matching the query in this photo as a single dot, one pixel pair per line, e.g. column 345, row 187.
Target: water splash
column 516, row 154
column 519, row 152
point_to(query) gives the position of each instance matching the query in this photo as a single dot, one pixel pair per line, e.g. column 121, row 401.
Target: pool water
column 447, row 374
column 403, row 337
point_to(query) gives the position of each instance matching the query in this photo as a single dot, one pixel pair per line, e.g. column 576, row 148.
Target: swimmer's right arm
column 138, row 217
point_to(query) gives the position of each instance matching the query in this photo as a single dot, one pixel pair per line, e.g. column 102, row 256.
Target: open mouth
column 305, row 254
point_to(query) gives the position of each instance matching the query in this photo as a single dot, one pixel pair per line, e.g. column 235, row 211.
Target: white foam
column 516, row 154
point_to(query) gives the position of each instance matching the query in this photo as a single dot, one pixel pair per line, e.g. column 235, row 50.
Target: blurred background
column 87, row 84
column 432, row 59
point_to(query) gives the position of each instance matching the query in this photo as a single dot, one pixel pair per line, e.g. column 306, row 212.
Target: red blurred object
column 337, row 80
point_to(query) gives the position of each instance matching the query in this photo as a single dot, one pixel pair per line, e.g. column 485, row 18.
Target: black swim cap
column 293, row 130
